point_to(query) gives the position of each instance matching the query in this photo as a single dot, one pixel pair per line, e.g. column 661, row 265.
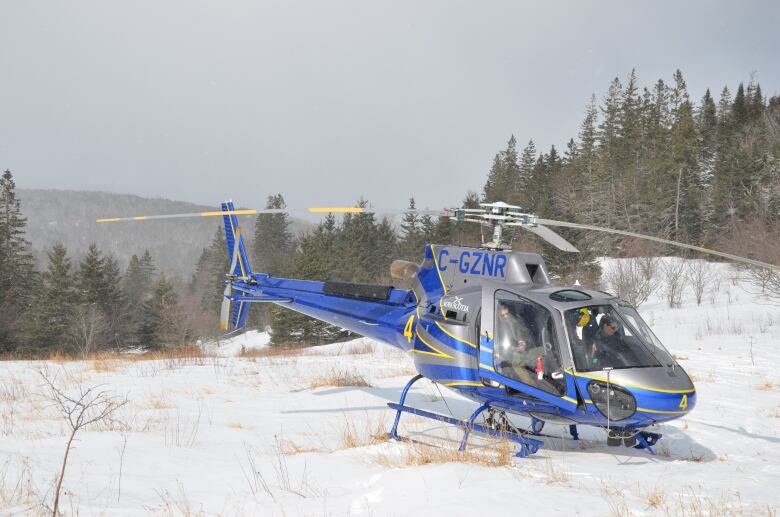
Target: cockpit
column 612, row 336
column 601, row 332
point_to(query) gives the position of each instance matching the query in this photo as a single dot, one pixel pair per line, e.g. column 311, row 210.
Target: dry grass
column 235, row 425
column 12, row 390
column 498, row 454
column 361, row 348
column 104, row 365
column 339, row 379
column 655, row 499
column 271, row 351
column 767, row 386
column 554, row 474
column 159, row 402
column 181, row 352
column 370, row 433
column 290, row 448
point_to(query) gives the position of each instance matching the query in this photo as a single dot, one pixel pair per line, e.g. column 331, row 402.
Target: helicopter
column 488, row 323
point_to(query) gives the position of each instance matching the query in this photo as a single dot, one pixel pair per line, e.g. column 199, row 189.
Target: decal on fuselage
column 456, row 304
column 474, row 262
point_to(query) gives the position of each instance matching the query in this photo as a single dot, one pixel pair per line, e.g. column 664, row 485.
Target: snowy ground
column 271, row 435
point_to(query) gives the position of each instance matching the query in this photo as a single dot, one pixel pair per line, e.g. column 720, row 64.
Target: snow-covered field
column 272, row 435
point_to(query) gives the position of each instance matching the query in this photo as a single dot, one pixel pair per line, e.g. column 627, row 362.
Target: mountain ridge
column 68, row 217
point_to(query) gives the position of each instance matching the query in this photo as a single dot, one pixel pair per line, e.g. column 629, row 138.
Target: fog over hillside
column 69, row 217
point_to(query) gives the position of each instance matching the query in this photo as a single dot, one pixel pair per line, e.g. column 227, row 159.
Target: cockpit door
column 519, row 347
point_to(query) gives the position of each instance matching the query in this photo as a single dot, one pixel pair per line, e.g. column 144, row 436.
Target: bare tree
column 87, row 329
column 700, row 276
column 86, row 407
column 673, row 272
column 633, row 279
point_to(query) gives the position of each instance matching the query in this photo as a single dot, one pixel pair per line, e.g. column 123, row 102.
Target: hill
column 69, row 217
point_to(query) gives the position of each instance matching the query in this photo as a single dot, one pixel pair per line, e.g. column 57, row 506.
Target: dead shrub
column 339, row 379
column 498, row 454
column 361, row 348
column 271, row 351
column 371, row 433
column 673, row 272
column 632, row 279
column 767, row 386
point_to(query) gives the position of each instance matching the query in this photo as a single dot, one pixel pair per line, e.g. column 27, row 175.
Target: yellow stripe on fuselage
column 464, row 383
column 438, row 352
column 456, row 338
column 436, row 263
column 628, row 384
column 662, row 412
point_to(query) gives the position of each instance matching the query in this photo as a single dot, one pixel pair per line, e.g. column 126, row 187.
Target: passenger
column 517, row 352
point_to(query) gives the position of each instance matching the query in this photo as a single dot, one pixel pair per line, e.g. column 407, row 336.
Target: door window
column 526, row 347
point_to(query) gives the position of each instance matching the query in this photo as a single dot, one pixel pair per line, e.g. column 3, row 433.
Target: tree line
column 650, row 161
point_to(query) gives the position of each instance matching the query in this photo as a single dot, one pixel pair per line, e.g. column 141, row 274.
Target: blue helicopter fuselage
column 446, row 321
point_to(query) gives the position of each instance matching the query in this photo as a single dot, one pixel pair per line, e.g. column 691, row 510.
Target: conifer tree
column 412, row 235
column 17, row 267
column 162, row 324
column 90, row 278
column 495, row 179
column 273, row 243
column 54, row 301
column 527, row 162
column 274, row 246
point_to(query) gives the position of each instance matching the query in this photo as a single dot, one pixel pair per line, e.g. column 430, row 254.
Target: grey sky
column 328, row 101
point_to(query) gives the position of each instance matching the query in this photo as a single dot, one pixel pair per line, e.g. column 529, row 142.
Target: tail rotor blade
column 224, row 314
column 236, row 251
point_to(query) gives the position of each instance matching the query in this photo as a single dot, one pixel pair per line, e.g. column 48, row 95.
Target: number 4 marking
column 408, row 328
column 684, row 402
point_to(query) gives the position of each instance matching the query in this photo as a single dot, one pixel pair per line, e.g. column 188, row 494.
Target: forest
column 647, row 159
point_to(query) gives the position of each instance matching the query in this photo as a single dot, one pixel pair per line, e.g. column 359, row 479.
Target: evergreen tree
column 17, row 268
column 90, row 278
column 137, row 286
column 495, row 180
column 685, row 142
column 412, row 235
column 113, row 303
column 273, row 242
column 162, row 324
column 274, row 246
column 54, row 301
column 527, row 162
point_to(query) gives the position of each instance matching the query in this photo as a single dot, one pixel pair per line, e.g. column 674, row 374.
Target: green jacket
column 526, row 359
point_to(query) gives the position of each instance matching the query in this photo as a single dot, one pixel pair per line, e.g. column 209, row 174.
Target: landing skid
column 636, row 439
column 528, row 446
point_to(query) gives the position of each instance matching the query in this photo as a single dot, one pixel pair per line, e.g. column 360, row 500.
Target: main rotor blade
column 255, row 211
column 251, row 211
column 548, row 235
column 729, row 256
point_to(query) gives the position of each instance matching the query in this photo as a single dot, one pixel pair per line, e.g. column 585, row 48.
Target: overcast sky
column 328, row 101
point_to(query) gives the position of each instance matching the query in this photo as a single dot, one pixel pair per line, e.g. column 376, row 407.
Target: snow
column 230, row 435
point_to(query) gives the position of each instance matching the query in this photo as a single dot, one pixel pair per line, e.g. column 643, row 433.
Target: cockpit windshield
column 613, row 336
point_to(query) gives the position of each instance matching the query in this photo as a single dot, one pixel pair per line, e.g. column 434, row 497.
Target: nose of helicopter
column 641, row 396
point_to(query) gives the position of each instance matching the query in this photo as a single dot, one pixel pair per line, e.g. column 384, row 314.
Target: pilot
column 517, row 352
column 606, row 342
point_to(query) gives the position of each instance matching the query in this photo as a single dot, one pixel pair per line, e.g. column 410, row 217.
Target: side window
column 525, row 347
